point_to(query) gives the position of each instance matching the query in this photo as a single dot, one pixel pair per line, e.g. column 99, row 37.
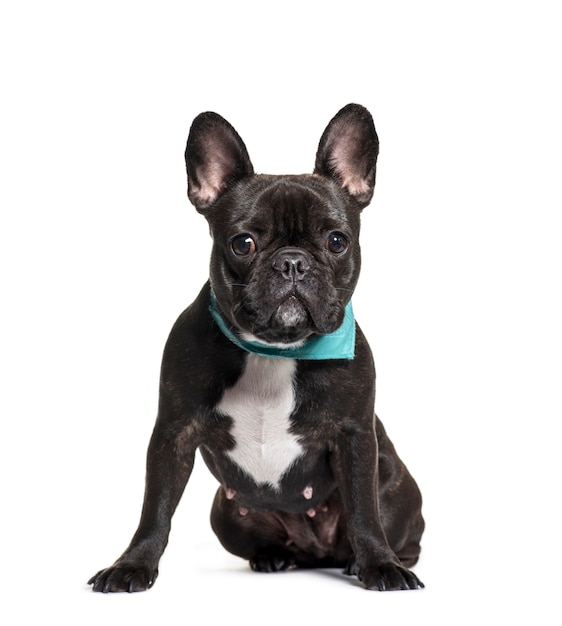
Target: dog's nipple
column 307, row 492
column 243, row 511
column 311, row 512
column 230, row 493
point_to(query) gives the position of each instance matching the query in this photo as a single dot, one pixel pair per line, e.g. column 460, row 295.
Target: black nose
column 293, row 263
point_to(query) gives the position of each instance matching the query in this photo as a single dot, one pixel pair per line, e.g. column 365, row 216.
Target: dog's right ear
column 215, row 158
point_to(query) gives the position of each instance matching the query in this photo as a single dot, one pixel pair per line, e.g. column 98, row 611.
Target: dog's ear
column 348, row 152
column 215, row 158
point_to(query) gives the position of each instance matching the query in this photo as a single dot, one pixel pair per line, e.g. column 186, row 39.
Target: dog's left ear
column 348, row 152
column 215, row 158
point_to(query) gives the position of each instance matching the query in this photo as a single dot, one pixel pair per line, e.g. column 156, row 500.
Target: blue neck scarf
column 337, row 345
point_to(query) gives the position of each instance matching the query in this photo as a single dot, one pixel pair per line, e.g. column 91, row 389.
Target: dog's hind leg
column 273, row 541
column 256, row 536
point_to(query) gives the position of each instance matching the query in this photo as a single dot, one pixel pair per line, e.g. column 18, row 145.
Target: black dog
column 269, row 376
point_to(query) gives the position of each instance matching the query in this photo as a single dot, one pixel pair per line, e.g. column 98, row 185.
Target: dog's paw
column 272, row 561
column 385, row 577
column 128, row 578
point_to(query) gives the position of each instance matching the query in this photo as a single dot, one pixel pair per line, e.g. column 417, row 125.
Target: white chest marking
column 260, row 405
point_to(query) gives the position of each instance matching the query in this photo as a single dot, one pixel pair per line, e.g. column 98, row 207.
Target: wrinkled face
column 286, row 253
column 285, row 257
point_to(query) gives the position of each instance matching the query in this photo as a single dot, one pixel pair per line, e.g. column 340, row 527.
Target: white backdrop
column 459, row 294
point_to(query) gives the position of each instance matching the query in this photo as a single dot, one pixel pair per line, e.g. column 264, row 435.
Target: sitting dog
column 268, row 375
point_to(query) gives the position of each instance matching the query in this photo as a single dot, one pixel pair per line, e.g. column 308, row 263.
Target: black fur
column 364, row 513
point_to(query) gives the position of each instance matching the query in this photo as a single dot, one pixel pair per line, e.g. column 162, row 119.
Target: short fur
column 308, row 476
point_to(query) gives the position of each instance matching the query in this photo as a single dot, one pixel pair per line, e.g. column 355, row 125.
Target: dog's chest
column 260, row 405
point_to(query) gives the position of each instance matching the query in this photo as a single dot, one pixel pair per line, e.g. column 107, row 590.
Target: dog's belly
column 260, row 405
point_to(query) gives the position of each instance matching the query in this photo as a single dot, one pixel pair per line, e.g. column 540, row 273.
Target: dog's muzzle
column 292, row 263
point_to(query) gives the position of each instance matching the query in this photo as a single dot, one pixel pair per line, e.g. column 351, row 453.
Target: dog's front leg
column 355, row 465
column 169, row 463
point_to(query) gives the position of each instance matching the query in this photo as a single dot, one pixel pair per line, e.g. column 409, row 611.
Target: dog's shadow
column 332, row 573
column 339, row 574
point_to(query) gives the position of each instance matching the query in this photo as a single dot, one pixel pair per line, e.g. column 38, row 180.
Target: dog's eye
column 337, row 243
column 243, row 245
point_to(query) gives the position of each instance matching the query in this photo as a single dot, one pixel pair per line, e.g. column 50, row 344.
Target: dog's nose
column 292, row 263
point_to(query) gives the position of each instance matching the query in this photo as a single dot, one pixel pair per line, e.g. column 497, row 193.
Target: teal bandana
column 337, row 345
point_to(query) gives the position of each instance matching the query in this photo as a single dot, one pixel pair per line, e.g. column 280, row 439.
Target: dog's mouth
column 291, row 313
column 290, row 324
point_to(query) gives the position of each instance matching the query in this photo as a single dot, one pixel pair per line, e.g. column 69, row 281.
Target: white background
column 459, row 295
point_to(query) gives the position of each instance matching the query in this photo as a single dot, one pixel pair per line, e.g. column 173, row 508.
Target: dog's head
column 286, row 254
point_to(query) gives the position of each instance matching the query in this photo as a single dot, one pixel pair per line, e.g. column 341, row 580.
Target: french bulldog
column 269, row 376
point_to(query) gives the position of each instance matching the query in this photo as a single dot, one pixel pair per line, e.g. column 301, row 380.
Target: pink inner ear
column 344, row 161
column 212, row 178
column 215, row 157
column 355, row 185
